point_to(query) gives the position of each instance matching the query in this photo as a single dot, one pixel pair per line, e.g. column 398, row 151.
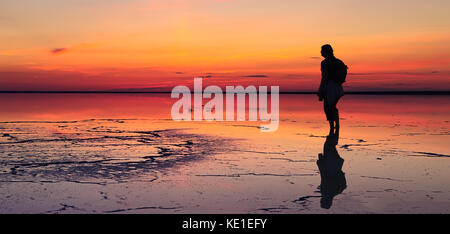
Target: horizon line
column 284, row 92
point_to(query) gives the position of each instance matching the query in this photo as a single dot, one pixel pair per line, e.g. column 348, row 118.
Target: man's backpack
column 340, row 70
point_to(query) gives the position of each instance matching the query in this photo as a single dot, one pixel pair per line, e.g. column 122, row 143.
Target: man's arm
column 323, row 82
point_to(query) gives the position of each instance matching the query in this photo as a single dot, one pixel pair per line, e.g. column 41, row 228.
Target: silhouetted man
column 334, row 72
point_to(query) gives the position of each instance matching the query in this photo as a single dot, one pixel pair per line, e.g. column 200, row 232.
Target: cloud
column 294, row 75
column 255, row 76
column 58, row 50
column 394, row 73
column 360, row 73
column 315, row 58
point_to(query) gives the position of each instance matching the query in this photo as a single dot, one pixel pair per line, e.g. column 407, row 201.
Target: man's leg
column 331, row 128
column 337, row 122
column 329, row 114
column 336, row 116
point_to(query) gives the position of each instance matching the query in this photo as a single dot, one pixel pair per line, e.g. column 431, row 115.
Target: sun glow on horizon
column 142, row 44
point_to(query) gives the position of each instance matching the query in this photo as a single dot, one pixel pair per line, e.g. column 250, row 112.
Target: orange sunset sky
column 154, row 45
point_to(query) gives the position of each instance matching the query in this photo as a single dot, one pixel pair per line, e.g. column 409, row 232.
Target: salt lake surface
column 122, row 153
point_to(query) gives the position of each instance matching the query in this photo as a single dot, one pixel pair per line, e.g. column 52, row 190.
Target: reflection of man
column 334, row 72
column 330, row 167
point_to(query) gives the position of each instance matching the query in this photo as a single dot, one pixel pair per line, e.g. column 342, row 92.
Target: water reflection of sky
column 395, row 150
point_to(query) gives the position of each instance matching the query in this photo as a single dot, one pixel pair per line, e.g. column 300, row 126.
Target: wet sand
column 121, row 153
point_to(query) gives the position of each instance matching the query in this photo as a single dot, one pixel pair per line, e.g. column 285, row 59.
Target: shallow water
column 122, row 153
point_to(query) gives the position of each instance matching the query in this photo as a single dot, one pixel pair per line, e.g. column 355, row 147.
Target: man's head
column 327, row 51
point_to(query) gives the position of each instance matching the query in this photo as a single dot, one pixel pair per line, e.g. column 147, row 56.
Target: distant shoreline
column 305, row 92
